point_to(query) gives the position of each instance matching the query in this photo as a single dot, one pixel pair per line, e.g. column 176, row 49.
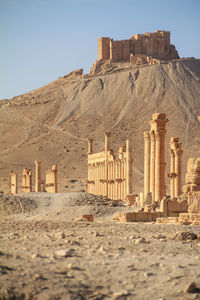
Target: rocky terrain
column 52, row 123
column 46, row 254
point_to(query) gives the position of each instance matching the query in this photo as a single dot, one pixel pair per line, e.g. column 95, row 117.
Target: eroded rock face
column 192, row 178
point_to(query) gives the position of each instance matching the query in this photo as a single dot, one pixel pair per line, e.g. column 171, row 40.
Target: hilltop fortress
column 156, row 44
column 140, row 49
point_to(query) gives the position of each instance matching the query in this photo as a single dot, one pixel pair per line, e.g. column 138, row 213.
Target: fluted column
column 128, row 175
column 38, row 176
column 107, row 135
column 13, row 183
column 157, row 167
column 162, row 193
column 54, row 179
column 152, row 167
column 178, row 183
column 172, row 172
column 146, row 163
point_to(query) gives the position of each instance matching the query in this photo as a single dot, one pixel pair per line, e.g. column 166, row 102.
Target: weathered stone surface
column 182, row 236
column 85, row 218
column 194, row 202
column 192, row 288
column 137, row 216
column 192, row 178
column 64, row 252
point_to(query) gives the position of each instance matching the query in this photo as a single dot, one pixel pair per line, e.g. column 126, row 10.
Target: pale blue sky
column 41, row 40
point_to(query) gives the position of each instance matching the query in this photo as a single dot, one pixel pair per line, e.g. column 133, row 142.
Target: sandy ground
column 46, row 254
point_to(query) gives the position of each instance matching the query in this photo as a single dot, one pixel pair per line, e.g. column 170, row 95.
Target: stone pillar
column 38, row 183
column 176, row 152
column 107, row 135
column 54, row 179
column 152, row 167
column 128, row 169
column 172, row 172
column 90, row 145
column 157, row 168
column 13, row 183
column 146, row 163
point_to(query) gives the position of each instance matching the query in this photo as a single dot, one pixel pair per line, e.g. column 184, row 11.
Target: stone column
column 107, row 135
column 178, row 183
column 90, row 145
column 128, row 177
column 172, row 172
column 157, row 168
column 54, row 179
column 13, row 183
column 38, row 176
column 162, row 193
column 176, row 152
column 152, row 167
column 146, row 163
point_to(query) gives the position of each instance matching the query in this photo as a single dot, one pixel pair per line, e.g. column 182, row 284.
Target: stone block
column 88, row 218
column 137, row 216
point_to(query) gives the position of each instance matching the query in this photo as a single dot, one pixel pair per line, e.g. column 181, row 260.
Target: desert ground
column 45, row 253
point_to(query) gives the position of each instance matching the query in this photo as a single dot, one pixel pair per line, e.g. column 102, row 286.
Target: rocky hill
column 52, row 123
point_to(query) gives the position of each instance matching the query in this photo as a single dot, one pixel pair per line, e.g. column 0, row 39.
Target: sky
column 41, row 40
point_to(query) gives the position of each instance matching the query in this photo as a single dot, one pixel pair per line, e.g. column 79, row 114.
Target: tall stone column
column 38, row 176
column 146, row 163
column 90, row 145
column 178, row 182
column 172, row 172
column 13, row 183
column 176, row 152
column 54, row 179
column 128, row 175
column 162, row 192
column 157, row 167
column 152, row 166
column 107, row 135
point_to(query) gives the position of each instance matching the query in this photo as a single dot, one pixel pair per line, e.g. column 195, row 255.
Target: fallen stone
column 183, row 236
column 141, row 241
column 88, row 218
column 192, row 288
column 60, row 235
column 64, row 252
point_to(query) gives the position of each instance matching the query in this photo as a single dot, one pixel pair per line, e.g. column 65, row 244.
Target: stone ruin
column 108, row 175
column 153, row 45
column 51, row 180
column 154, row 158
column 13, row 183
column 175, row 164
column 48, row 185
column 26, row 181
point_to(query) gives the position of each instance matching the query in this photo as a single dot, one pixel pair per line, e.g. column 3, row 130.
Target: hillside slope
column 52, row 123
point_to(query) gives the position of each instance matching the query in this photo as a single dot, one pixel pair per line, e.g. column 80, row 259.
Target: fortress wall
column 103, row 48
column 155, row 44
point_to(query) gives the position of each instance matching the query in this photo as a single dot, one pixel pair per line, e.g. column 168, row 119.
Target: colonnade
column 154, row 158
column 175, row 167
column 109, row 176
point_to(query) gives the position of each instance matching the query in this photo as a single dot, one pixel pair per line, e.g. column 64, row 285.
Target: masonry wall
column 155, row 44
